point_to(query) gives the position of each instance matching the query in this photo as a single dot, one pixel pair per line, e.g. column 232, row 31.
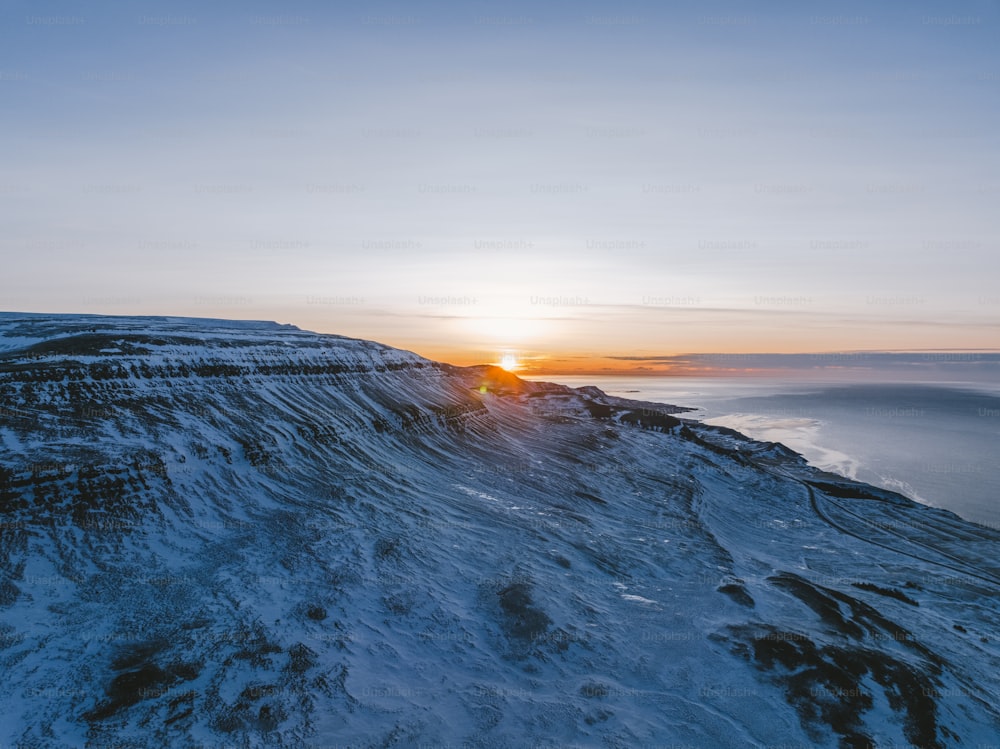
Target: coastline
column 934, row 442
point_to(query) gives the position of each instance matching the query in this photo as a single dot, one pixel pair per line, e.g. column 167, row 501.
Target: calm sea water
column 937, row 443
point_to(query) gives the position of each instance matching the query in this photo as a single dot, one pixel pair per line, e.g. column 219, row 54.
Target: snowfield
column 239, row 534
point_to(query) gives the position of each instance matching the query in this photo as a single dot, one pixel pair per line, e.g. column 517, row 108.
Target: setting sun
column 508, row 362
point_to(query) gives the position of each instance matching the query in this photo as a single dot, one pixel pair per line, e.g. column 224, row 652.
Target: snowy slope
column 243, row 534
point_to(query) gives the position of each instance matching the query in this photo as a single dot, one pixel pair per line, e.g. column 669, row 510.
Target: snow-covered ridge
column 24, row 332
column 243, row 534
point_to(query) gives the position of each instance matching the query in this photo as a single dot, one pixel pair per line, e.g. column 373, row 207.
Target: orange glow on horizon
column 633, row 344
column 528, row 365
column 544, row 359
column 509, row 362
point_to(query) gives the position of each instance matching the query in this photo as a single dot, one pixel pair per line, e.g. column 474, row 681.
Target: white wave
column 801, row 434
column 903, row 487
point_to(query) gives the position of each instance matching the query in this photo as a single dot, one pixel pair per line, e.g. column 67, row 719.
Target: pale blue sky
column 582, row 179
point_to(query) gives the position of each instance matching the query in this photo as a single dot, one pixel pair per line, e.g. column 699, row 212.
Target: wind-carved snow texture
column 243, row 534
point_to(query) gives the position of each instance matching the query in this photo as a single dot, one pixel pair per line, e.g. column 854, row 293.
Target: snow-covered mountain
column 245, row 535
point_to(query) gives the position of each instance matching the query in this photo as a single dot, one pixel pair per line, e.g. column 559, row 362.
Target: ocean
column 935, row 442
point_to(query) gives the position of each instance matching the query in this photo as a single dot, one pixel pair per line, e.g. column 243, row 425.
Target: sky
column 579, row 186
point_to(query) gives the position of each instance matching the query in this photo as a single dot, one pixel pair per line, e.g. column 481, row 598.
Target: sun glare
column 508, row 362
